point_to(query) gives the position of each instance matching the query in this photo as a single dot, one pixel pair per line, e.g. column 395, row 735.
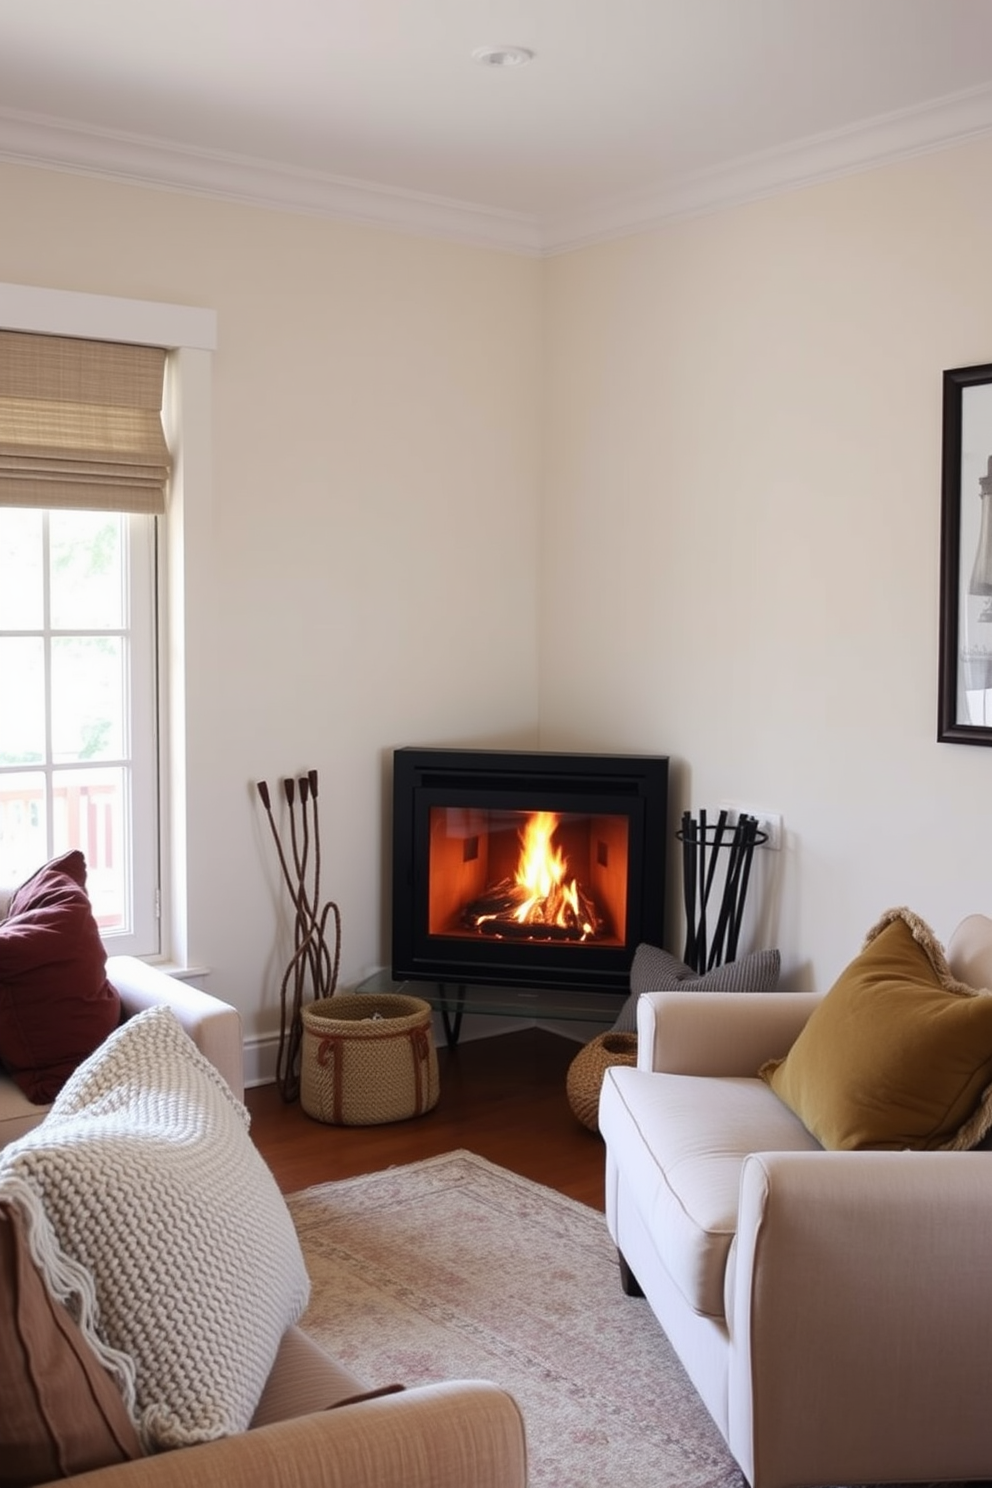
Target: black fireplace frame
column 635, row 786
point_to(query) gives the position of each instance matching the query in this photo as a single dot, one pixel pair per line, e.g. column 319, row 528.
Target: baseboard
column 261, row 1055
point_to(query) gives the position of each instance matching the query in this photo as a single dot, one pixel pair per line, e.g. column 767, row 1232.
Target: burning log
column 510, row 909
column 510, row 930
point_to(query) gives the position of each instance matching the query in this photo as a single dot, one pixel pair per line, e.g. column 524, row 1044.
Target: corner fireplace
column 525, row 869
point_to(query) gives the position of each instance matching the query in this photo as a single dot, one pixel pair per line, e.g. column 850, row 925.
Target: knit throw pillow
column 154, row 1218
column 655, row 970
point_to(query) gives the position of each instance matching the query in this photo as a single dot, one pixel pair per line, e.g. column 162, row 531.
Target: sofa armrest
column 858, row 1304
column 214, row 1026
column 718, row 1033
column 461, row 1434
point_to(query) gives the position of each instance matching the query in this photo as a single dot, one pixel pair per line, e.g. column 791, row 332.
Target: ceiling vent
column 502, row 56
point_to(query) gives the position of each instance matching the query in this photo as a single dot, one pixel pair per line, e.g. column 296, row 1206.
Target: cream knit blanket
column 153, row 1217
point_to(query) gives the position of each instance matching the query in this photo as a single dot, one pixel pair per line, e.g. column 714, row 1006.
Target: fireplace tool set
column 312, row 963
column 739, row 842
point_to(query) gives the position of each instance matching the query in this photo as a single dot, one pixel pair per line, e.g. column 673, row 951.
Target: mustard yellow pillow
column 898, row 1054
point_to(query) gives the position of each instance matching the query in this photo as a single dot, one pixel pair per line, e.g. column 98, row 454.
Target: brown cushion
column 56, row 1005
column 898, row 1054
column 61, row 1412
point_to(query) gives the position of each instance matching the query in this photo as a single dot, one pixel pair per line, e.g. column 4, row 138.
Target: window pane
column 89, row 812
column 22, row 700
column 86, row 570
column 23, row 827
column 87, row 698
column 77, row 709
column 21, row 592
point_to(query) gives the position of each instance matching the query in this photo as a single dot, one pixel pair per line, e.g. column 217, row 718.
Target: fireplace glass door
column 521, row 875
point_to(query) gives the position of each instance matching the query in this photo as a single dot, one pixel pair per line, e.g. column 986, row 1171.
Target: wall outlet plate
column 769, row 822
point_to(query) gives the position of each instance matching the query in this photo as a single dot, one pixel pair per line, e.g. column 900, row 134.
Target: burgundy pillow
column 56, row 1005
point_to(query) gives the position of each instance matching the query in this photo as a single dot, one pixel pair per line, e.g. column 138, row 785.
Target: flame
column 548, row 900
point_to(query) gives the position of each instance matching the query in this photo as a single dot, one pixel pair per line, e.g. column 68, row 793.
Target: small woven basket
column 585, row 1074
column 368, row 1058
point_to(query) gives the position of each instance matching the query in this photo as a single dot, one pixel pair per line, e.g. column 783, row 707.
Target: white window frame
column 190, row 336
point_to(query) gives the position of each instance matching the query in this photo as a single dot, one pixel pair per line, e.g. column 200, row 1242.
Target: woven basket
column 367, row 1058
column 585, row 1074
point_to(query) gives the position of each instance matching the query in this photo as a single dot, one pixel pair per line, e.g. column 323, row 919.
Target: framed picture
column 965, row 683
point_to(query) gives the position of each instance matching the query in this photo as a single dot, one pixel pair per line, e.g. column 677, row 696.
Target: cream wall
column 674, row 494
column 742, row 529
column 371, row 579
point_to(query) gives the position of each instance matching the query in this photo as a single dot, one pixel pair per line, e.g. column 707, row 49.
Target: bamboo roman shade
column 81, row 424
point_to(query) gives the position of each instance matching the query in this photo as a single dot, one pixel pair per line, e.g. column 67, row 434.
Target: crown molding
column 61, row 145
column 136, row 160
column 809, row 162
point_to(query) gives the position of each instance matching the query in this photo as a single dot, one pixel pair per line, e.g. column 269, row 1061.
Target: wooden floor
column 501, row 1097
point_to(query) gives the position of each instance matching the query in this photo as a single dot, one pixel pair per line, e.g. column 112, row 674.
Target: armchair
column 830, row 1307
column 460, row 1434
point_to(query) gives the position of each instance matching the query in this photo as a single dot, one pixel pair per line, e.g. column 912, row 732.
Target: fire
column 540, row 874
column 538, row 903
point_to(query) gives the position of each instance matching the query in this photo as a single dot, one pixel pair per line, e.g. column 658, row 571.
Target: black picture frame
column 965, row 658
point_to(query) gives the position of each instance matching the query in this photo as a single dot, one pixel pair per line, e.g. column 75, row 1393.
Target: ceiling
column 631, row 113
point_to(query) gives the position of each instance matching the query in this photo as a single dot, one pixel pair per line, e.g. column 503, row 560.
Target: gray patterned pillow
column 654, row 970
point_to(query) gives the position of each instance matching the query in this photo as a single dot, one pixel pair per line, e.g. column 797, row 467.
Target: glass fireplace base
column 452, row 1001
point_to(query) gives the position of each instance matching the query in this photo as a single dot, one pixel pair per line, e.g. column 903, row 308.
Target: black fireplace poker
column 737, row 843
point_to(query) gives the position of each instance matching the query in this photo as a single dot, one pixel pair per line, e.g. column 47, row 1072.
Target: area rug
column 455, row 1268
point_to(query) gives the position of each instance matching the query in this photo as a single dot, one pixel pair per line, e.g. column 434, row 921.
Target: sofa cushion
column 655, row 970
column 62, row 1413
column 303, row 1379
column 898, row 1054
column 17, row 1114
column 681, row 1141
column 154, row 1213
column 56, row 1005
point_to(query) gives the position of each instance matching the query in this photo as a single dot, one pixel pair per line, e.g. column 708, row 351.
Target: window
column 189, row 336
column 78, row 743
column 83, row 474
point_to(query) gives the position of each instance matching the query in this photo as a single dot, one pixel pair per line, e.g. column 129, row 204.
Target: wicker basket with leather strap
column 585, row 1074
column 368, row 1058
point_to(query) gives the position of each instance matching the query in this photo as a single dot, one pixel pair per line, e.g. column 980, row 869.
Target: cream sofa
column 459, row 1434
column 454, row 1434
column 831, row 1308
